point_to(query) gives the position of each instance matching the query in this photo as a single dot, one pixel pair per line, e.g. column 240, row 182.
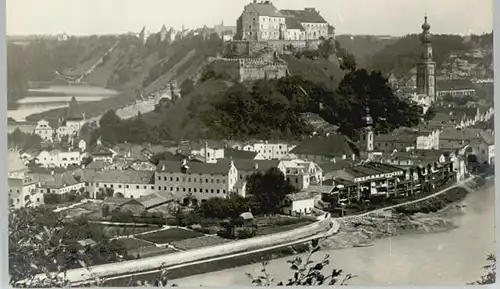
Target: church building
column 426, row 70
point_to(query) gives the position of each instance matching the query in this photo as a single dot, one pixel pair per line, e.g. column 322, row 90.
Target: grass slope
column 322, row 70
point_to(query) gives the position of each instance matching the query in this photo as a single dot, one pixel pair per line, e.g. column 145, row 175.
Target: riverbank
column 446, row 247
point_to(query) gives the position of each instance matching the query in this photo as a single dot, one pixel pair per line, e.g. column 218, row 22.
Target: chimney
column 163, row 167
column 52, row 172
column 256, row 166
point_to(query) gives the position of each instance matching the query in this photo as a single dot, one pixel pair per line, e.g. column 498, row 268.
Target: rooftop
column 119, row 176
column 155, row 199
column 73, row 111
column 308, row 15
column 334, row 145
column 300, row 196
column 219, row 168
column 293, row 23
column 265, row 9
column 239, row 154
column 454, row 84
column 255, row 165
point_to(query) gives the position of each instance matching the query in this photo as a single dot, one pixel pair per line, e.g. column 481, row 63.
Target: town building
column 407, row 139
column 235, row 154
column 72, row 122
column 59, row 158
column 302, row 174
column 480, row 143
column 22, row 188
column 299, row 204
column 101, row 153
column 247, row 168
column 163, row 33
column 203, row 151
column 122, row 184
column 59, row 184
column 265, row 149
column 326, row 149
column 44, row 130
column 455, row 88
column 426, row 68
column 201, row 180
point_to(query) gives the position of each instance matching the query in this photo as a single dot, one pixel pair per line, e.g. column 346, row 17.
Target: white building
column 266, row 150
column 22, row 188
column 299, row 204
column 61, row 183
column 58, row 158
column 201, row 180
column 124, row 184
column 302, row 174
column 44, row 130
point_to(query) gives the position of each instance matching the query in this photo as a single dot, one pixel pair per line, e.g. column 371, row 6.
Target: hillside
column 363, row 47
column 183, row 119
column 402, row 55
column 322, row 70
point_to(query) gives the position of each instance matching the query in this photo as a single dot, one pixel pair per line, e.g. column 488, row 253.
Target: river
column 36, row 104
column 453, row 257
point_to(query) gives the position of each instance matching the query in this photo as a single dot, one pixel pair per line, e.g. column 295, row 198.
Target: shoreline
column 383, row 225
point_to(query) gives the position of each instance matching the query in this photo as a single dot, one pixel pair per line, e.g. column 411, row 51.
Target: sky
column 374, row 17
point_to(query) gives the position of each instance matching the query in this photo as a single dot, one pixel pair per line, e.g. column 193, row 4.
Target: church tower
column 426, row 68
column 369, row 135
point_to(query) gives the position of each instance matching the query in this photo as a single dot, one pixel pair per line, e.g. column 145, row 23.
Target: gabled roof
column 155, row 199
column 293, row 23
column 239, row 154
column 264, row 9
column 255, row 165
column 308, row 15
column 119, row 176
column 73, row 111
column 300, row 196
column 56, row 181
column 219, row 168
column 333, row 146
column 100, row 150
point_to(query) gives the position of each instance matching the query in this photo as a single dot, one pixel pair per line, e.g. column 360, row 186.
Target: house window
column 145, row 187
column 177, row 179
column 159, row 187
column 131, row 196
column 164, row 178
column 206, row 180
column 206, row 190
column 212, row 191
column 212, row 181
column 194, row 190
column 189, row 179
column 189, row 190
column 183, row 189
column 223, row 181
column 152, row 187
column 171, row 179
column 171, row 189
column 218, row 181
column 159, row 178
column 218, row 191
column 223, row 191
column 177, row 189
column 137, row 186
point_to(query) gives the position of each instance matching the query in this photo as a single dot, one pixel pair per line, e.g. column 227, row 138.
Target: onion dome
column 368, row 118
column 426, row 27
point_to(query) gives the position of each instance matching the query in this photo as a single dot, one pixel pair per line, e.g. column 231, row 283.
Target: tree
column 187, row 87
column 41, row 242
column 305, row 272
column 490, row 276
column 268, row 190
column 110, row 118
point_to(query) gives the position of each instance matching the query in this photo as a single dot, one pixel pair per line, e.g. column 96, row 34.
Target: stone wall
column 245, row 48
column 174, row 259
column 249, row 69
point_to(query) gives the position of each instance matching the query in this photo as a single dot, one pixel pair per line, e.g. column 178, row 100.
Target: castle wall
column 245, row 48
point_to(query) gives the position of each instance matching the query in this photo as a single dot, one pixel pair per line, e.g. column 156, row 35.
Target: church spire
column 369, row 134
column 426, row 68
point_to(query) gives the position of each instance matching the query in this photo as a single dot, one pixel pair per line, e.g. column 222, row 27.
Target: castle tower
column 426, row 68
column 163, row 33
column 369, row 135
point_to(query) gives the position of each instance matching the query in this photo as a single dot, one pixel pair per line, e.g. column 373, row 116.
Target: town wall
column 175, row 259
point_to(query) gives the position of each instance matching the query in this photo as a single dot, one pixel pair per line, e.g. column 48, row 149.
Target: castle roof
column 73, row 111
column 265, row 9
column 308, row 15
column 293, row 23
